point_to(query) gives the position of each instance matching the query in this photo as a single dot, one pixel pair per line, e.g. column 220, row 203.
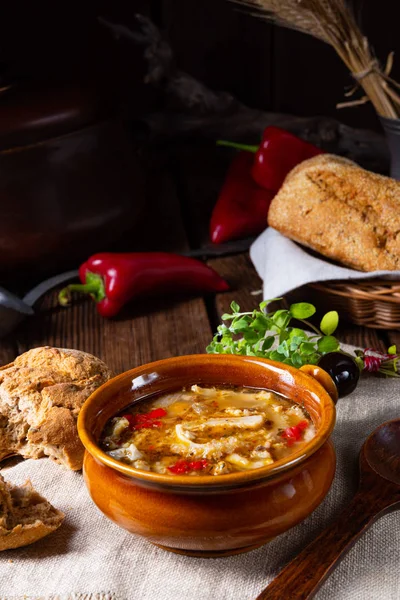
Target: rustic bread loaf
column 331, row 205
column 41, row 395
column 25, row 516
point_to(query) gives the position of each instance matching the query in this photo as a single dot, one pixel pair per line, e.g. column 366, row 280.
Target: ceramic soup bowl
column 209, row 515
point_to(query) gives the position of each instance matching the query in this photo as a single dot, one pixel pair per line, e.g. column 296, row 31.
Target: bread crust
column 22, row 535
column 41, row 395
column 346, row 213
column 26, row 516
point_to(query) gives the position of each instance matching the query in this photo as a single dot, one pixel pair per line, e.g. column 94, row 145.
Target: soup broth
column 207, row 431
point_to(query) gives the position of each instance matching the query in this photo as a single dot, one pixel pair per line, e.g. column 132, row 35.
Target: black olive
column 343, row 369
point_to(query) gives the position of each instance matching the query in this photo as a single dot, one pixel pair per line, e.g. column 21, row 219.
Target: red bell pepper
column 252, row 181
column 183, row 466
column 242, row 206
column 113, row 279
column 278, row 153
column 295, row 433
column 146, row 420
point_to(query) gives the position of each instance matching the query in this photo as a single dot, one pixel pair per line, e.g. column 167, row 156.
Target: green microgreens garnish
column 268, row 335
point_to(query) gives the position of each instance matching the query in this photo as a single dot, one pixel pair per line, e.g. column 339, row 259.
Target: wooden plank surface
column 146, row 331
column 158, row 328
column 245, row 284
column 362, row 337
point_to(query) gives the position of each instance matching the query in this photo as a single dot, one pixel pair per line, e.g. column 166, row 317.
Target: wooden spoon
column 378, row 493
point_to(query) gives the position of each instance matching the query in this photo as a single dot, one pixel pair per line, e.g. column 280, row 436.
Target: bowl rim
column 235, row 479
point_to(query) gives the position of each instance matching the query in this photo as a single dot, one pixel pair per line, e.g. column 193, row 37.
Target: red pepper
column 252, row 181
column 295, row 433
column 278, row 153
column 156, row 413
column 185, row 466
column 113, row 279
column 242, row 206
column 145, row 420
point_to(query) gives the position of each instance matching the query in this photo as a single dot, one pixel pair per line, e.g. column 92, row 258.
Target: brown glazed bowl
column 208, row 515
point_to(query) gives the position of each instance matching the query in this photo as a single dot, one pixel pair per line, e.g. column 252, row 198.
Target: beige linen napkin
column 284, row 266
column 90, row 558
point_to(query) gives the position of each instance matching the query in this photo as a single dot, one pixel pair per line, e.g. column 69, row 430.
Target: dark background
column 264, row 66
column 44, row 44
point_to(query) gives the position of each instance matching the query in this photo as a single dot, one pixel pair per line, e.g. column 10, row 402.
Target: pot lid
column 34, row 113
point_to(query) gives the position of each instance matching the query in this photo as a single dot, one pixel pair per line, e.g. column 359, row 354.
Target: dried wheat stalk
column 333, row 22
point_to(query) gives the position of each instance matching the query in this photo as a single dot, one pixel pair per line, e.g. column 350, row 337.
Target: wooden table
column 182, row 187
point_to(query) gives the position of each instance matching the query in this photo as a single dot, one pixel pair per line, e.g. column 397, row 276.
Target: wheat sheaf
column 334, row 22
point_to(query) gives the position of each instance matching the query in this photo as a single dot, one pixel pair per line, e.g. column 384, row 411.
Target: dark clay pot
column 71, row 181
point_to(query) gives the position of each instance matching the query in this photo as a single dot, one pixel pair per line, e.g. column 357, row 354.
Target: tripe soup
column 207, row 431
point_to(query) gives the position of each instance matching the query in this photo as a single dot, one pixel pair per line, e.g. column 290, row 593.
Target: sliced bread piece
column 41, row 395
column 25, row 516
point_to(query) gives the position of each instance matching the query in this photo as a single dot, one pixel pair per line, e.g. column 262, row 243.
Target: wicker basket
column 374, row 303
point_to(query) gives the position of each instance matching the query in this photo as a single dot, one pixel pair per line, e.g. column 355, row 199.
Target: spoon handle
column 302, row 577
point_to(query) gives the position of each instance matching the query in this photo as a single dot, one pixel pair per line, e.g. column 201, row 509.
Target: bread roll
column 41, row 395
column 350, row 215
column 25, row 516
